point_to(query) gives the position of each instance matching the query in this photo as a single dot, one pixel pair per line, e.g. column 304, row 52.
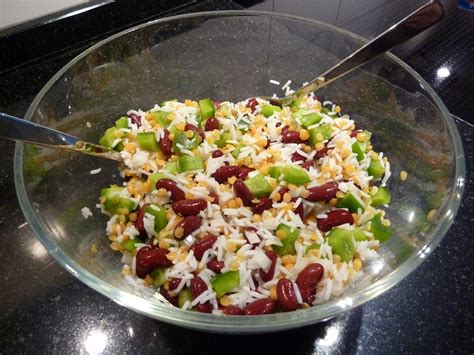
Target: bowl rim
column 244, row 324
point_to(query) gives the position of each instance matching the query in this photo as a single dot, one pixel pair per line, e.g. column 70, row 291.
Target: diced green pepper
column 208, row 109
column 358, row 150
column 126, row 203
column 381, row 197
column 350, row 202
column 288, row 242
column 258, row 186
column 161, row 117
column 274, row 171
column 172, row 167
column 380, row 231
column 122, row 122
column 295, row 104
column 306, row 119
column 160, row 216
column 118, row 147
column 158, row 277
column 130, row 244
column 311, row 247
column 359, row 234
column 189, row 163
column 342, row 243
column 295, row 174
column 184, row 296
column 147, row 141
column 268, row 110
column 109, row 138
column 153, row 178
column 327, row 111
column 222, row 141
column 226, row 282
column 376, row 168
column 235, row 153
column 181, row 141
column 319, row 134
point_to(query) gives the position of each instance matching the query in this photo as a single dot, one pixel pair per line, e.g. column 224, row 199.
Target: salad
column 246, row 208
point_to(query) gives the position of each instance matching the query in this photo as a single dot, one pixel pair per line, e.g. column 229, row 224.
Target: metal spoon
column 20, row 130
column 409, row 27
column 16, row 129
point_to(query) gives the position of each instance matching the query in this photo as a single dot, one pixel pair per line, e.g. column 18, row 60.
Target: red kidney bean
column 186, row 226
column 321, row 153
column 174, row 283
column 289, row 136
column 149, row 258
column 217, row 153
column 224, row 172
column 264, row 204
column 299, row 210
column 252, row 104
column 307, row 165
column 165, row 143
column 171, row 186
column 267, row 276
column 215, row 265
column 189, row 207
column 200, row 246
column 232, row 311
column 308, row 279
column 211, row 124
column 244, row 172
column 286, row 295
column 139, row 223
column 203, row 307
column 198, row 286
column 324, row 192
column 135, row 119
column 263, row 306
column 191, row 127
column 334, row 218
column 215, row 198
column 169, row 296
column 297, row 157
column 355, row 132
column 241, row 190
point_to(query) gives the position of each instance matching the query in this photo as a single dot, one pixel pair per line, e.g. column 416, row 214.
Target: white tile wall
column 17, row 11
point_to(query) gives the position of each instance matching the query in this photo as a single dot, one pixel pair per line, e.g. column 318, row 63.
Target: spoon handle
column 410, row 26
column 16, row 129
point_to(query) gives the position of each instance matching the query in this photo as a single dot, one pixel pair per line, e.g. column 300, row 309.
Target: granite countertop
column 44, row 309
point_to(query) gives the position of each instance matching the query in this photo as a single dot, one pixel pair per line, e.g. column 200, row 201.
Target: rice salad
column 246, row 208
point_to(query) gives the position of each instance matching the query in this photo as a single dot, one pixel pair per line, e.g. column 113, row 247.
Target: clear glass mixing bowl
column 232, row 56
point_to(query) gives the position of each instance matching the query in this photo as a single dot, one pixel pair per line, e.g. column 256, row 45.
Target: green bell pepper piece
column 359, row 150
column 208, row 109
column 235, row 153
column 268, row 110
column 172, row 167
column 381, row 197
column 160, row 216
column 342, row 243
column 153, row 178
column 158, row 277
column 376, row 169
column 187, row 143
column 359, row 235
column 288, row 242
column 122, row 122
column 295, row 174
column 327, row 111
column 258, row 186
column 311, row 247
column 130, row 244
column 350, row 202
column 315, row 134
column 189, row 163
column 274, row 171
column 108, row 138
column 380, row 231
column 147, row 141
column 222, row 141
column 184, row 296
column 295, row 104
column 161, row 117
column 226, row 282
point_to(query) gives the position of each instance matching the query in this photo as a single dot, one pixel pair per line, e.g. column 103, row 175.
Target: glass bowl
column 232, row 55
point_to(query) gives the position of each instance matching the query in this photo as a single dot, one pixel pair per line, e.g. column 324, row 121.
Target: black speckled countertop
column 44, row 309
